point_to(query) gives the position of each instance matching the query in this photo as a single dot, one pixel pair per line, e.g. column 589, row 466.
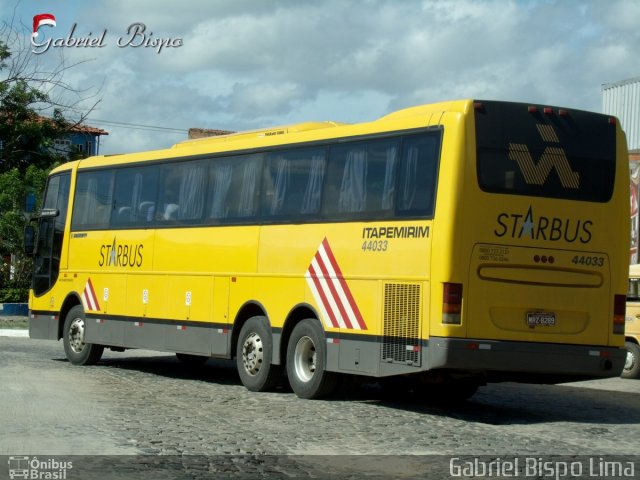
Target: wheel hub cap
column 629, row 362
column 305, row 359
column 76, row 335
column 252, row 355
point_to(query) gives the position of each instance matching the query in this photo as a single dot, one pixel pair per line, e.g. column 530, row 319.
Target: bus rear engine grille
column 402, row 315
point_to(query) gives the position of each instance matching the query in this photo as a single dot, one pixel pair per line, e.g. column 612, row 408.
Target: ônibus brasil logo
column 136, row 35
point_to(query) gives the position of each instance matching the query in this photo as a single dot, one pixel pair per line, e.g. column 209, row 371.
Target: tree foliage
column 33, row 103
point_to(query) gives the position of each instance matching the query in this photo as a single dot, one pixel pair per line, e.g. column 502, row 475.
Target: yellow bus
column 632, row 328
column 442, row 245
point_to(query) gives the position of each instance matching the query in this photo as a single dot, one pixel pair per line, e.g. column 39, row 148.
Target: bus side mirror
column 29, row 242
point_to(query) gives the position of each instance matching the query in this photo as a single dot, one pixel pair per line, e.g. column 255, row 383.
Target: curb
column 14, row 332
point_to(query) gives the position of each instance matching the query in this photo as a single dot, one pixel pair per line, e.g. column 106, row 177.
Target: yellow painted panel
column 188, row 297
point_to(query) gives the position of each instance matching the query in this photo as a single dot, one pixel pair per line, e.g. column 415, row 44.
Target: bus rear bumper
column 525, row 357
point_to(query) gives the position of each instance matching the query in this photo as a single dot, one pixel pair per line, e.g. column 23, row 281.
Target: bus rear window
column 545, row 152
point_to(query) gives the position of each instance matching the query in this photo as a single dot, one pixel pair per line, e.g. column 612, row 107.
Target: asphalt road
column 146, row 403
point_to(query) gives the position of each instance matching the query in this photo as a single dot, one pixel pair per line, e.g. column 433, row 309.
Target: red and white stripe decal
column 89, row 298
column 331, row 292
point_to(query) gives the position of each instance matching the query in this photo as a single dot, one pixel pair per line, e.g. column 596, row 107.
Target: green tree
column 15, row 268
column 26, row 137
column 32, row 116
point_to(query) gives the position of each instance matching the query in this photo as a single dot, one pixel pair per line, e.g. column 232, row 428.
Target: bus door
column 48, row 256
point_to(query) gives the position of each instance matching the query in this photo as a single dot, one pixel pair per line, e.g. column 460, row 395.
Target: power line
column 137, row 126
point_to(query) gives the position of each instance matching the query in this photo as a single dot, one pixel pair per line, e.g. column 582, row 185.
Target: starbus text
column 552, row 229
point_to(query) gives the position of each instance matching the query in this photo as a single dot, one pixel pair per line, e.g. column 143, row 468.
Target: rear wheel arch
column 296, row 315
column 306, row 363
column 254, row 354
column 248, row 310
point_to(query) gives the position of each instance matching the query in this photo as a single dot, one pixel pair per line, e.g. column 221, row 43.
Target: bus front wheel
column 306, row 357
column 632, row 363
column 254, row 351
column 78, row 352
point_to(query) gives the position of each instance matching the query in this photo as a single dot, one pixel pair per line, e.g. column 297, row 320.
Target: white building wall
column 622, row 99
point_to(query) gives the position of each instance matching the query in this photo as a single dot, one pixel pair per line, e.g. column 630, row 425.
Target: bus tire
column 306, row 361
column 78, row 352
column 254, row 352
column 191, row 360
column 632, row 363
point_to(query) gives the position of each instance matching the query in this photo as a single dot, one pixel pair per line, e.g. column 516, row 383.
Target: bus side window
column 235, row 187
column 381, row 181
column 135, row 195
column 292, row 183
column 418, row 175
column 361, row 179
column 345, row 190
column 93, row 200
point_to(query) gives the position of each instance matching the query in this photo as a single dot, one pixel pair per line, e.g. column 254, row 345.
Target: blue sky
column 247, row 64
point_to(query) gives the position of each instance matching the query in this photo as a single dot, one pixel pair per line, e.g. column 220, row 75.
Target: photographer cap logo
column 40, row 20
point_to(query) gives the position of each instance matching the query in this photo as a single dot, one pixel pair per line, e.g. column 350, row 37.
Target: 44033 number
column 588, row 260
column 375, row 246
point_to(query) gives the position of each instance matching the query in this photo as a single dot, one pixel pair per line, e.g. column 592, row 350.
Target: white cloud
column 252, row 63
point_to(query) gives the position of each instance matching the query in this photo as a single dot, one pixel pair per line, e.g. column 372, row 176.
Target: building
column 81, row 139
column 622, row 99
column 195, row 133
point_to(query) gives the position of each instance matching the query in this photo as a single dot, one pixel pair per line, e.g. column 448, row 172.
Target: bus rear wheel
column 78, row 352
column 254, row 352
column 632, row 363
column 306, row 361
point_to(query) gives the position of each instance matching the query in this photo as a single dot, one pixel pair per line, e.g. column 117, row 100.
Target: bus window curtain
column 283, row 170
column 136, row 194
column 313, row 192
column 353, row 192
column 408, row 193
column 90, row 207
column 247, row 202
column 191, row 197
column 388, row 189
column 222, row 175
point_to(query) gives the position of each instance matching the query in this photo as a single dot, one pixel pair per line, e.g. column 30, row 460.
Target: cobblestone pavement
column 141, row 402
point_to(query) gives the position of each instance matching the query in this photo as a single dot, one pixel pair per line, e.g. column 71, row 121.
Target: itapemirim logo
column 136, row 35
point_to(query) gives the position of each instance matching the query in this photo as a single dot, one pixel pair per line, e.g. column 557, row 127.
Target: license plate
column 541, row 319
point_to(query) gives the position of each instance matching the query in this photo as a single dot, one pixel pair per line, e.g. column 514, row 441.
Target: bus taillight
column 451, row 303
column 619, row 312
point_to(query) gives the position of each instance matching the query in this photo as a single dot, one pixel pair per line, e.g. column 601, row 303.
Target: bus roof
column 265, row 132
column 295, row 133
column 427, row 115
